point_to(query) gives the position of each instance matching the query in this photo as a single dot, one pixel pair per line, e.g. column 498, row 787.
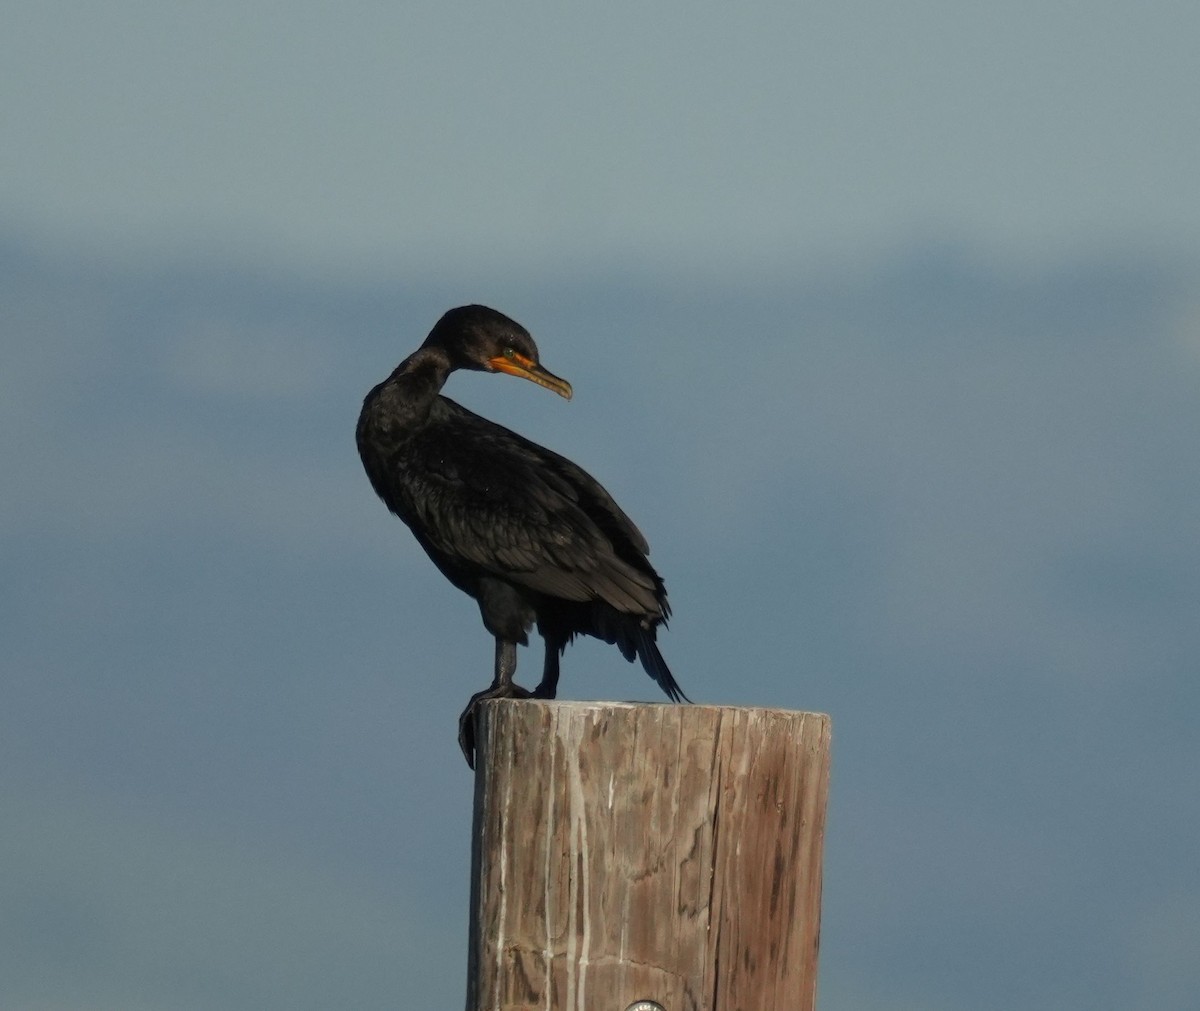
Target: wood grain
column 662, row 852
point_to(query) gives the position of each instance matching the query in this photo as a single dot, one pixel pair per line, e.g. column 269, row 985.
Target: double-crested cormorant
column 527, row 533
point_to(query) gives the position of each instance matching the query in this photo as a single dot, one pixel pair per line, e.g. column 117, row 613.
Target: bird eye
column 509, row 353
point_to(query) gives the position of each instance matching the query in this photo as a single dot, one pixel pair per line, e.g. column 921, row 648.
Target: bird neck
column 417, row 381
column 427, row 366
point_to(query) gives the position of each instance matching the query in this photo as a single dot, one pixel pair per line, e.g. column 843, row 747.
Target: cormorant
column 526, row 532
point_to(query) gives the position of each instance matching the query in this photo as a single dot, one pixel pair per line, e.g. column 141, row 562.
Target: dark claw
column 466, row 721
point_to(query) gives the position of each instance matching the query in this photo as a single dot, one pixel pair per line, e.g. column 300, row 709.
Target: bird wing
column 484, row 497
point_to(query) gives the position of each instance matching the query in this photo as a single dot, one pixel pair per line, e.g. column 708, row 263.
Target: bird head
column 479, row 338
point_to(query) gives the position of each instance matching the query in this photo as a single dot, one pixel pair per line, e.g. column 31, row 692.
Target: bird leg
column 548, row 687
column 502, row 687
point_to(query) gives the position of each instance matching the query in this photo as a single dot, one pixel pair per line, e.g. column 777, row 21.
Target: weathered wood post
column 629, row 852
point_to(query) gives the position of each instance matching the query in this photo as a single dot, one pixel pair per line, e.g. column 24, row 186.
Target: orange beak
column 526, row 368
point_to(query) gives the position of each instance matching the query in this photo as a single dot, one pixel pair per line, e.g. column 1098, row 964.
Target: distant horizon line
column 266, row 259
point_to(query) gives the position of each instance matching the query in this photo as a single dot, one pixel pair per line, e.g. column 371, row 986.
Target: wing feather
column 484, row 497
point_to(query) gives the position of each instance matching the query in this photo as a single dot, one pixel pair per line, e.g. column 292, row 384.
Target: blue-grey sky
column 404, row 134
column 884, row 325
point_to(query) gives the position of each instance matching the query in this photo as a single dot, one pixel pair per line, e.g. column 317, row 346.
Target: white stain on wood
column 658, row 852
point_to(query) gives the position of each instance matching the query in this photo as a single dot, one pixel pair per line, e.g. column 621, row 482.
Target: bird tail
column 635, row 638
column 656, row 666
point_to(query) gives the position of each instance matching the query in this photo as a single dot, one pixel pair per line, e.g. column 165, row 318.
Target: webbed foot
column 466, row 722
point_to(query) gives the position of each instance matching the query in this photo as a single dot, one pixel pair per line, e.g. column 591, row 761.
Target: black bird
column 527, row 533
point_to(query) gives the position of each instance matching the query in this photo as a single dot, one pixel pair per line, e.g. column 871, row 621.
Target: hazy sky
column 955, row 510
column 943, row 487
column 416, row 133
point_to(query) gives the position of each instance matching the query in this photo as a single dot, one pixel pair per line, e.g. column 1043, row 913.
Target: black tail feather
column 635, row 638
column 656, row 666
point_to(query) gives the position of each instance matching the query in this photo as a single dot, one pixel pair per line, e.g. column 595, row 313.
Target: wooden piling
column 628, row 852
